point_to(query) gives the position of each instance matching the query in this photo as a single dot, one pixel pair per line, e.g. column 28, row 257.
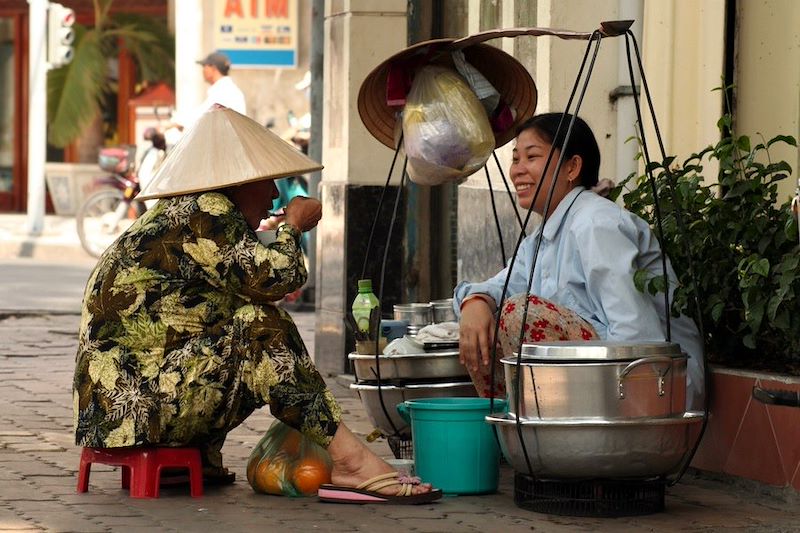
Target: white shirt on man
column 224, row 92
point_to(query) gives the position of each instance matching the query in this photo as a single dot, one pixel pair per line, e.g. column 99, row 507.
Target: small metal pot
column 580, row 448
column 443, row 311
column 597, row 379
column 412, row 367
column 393, row 395
column 418, row 314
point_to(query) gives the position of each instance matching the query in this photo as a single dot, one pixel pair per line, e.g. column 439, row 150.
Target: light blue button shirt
column 590, row 250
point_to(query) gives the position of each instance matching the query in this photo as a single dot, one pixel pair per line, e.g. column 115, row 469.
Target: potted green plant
column 742, row 244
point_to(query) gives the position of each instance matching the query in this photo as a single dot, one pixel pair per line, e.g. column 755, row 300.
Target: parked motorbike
column 109, row 211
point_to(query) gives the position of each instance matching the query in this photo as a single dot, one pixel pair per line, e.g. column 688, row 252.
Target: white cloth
column 441, row 332
column 586, row 262
column 224, row 92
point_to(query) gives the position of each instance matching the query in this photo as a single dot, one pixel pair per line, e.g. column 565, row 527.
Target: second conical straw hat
column 224, row 148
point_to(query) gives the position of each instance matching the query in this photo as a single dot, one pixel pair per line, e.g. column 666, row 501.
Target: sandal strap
column 367, row 485
column 390, row 479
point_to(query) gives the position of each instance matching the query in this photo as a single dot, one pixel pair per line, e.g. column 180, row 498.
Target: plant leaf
column 761, row 267
column 75, row 92
column 788, row 139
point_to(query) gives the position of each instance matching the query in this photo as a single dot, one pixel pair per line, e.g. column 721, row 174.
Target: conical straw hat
column 504, row 72
column 225, row 148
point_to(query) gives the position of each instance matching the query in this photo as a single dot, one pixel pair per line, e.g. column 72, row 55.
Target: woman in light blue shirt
column 590, row 250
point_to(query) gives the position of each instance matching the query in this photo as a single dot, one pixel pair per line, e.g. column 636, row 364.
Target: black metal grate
column 401, row 448
column 595, row 497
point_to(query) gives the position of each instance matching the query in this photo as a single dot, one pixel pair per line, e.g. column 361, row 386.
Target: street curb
column 36, row 249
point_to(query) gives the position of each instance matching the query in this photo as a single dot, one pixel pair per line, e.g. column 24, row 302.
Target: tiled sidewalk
column 38, row 464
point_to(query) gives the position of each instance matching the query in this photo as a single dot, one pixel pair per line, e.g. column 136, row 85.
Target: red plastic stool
column 141, row 467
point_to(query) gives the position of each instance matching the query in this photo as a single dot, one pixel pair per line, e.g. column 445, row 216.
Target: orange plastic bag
column 287, row 463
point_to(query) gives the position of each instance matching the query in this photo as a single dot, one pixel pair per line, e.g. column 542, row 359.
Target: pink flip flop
column 367, row 492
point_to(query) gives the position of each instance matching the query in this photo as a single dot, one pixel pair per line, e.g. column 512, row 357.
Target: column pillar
column 359, row 34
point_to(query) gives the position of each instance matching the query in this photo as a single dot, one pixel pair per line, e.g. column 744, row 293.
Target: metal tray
column 410, row 367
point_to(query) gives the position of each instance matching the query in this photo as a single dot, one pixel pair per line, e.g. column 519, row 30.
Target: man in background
column 222, row 90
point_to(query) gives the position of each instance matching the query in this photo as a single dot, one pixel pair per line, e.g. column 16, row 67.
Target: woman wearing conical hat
column 180, row 338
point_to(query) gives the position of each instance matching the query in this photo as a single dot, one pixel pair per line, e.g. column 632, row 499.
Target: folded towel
column 441, row 332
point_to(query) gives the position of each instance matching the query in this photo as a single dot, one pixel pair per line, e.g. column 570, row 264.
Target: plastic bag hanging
column 446, row 132
column 287, row 463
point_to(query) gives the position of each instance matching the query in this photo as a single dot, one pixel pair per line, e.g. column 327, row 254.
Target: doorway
column 7, row 110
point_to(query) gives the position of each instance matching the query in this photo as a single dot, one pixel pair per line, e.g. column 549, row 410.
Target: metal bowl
column 581, row 448
column 442, row 365
column 393, row 395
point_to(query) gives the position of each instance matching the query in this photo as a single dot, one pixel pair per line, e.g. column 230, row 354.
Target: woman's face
column 527, row 170
column 254, row 200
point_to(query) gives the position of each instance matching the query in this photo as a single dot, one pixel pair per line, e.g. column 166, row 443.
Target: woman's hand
column 476, row 333
column 303, row 213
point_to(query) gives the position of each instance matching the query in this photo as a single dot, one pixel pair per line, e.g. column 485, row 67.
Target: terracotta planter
column 748, row 438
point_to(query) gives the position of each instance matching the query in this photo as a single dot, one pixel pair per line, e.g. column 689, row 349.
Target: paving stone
column 82, row 499
column 132, row 523
column 42, row 483
column 10, row 520
column 34, row 447
column 57, row 522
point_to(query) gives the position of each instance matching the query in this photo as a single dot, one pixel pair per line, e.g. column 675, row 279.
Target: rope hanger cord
column 508, row 190
column 494, row 206
column 607, row 28
column 617, row 28
column 596, row 40
column 380, row 291
column 380, row 204
column 496, row 217
column 630, row 39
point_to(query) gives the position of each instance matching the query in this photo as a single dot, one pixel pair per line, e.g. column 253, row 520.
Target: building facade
column 688, row 48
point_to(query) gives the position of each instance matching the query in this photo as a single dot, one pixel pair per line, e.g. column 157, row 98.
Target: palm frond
column 150, row 44
column 75, row 90
column 101, row 9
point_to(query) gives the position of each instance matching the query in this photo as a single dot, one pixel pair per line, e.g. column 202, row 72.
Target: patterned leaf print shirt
column 154, row 363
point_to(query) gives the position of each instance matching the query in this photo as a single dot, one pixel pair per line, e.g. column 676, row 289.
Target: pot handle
column 659, row 359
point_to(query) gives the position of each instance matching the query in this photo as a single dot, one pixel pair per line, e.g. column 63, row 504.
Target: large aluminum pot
column 440, row 365
column 393, row 395
column 569, row 449
column 597, row 379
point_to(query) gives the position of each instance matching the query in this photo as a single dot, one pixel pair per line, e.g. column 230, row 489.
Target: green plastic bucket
column 454, row 447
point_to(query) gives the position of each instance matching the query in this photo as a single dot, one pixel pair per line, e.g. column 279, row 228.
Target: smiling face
column 527, row 170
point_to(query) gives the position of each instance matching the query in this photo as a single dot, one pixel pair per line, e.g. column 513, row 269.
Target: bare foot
column 354, row 463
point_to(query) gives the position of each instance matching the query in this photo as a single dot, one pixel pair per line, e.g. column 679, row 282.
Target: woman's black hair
column 581, row 143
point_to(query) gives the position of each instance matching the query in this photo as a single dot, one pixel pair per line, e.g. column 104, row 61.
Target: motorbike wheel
column 103, row 217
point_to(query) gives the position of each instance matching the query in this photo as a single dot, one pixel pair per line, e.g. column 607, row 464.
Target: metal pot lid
column 574, row 351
